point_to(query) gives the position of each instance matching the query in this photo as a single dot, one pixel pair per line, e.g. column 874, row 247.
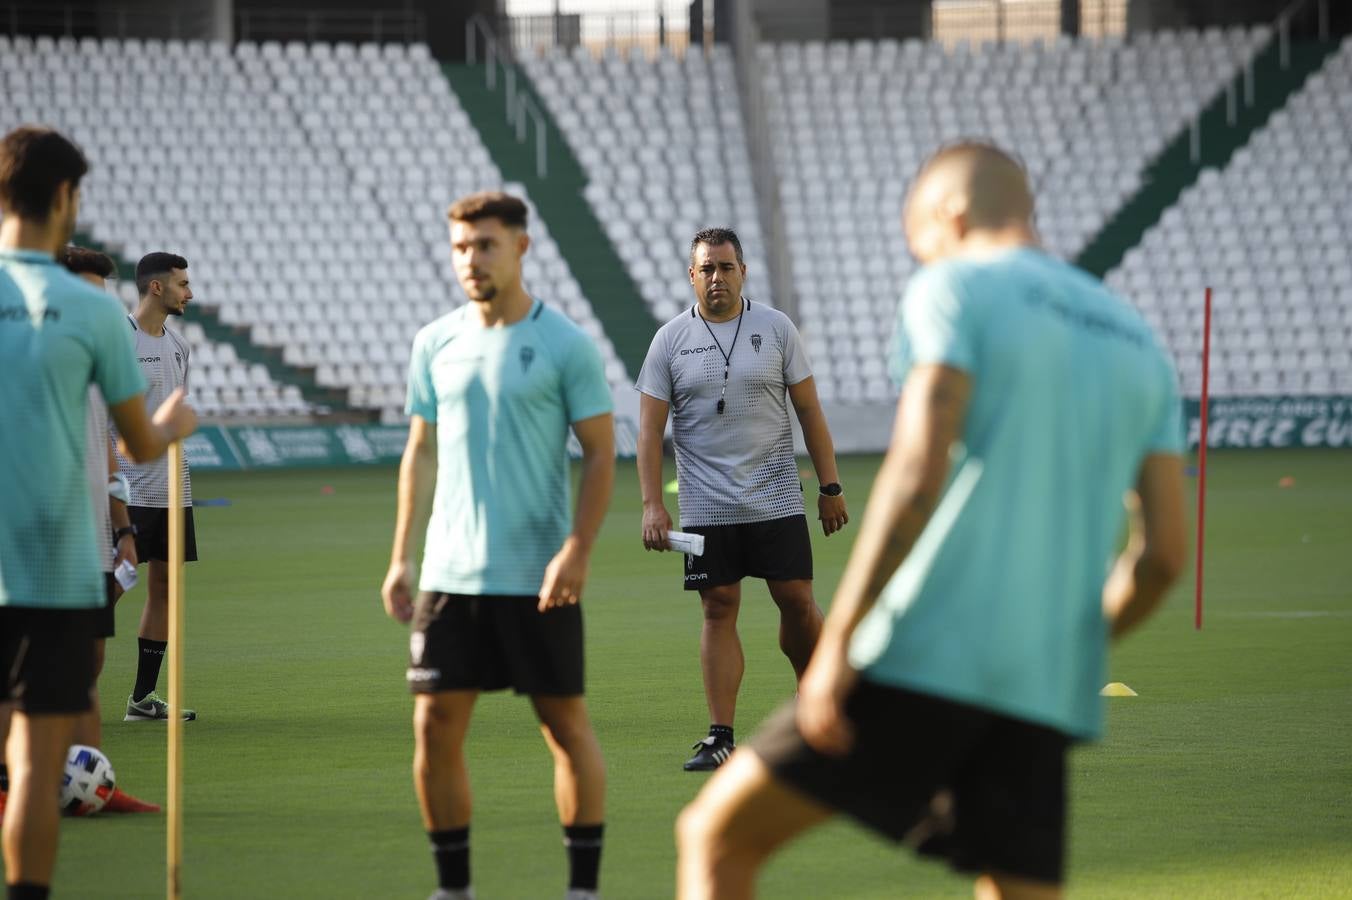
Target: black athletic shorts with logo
column 983, row 791
column 777, row 550
column 47, row 658
column 152, row 533
column 105, row 619
column 492, row 642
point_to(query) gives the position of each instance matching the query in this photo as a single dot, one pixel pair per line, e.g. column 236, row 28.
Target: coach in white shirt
column 725, row 370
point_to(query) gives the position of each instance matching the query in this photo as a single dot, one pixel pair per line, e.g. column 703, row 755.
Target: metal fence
column 630, row 26
column 77, row 20
column 336, row 25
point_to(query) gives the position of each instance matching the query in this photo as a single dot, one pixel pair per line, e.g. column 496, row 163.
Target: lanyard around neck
column 727, row 357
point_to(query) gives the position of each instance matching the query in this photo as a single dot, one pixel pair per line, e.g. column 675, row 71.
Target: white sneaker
column 446, row 894
column 579, row 894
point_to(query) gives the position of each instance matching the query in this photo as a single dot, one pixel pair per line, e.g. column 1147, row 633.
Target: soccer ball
column 88, row 781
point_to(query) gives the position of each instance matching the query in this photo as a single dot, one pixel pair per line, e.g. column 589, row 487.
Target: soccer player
column 723, row 369
column 164, row 291
column 58, row 335
column 966, row 644
column 108, row 493
column 493, row 388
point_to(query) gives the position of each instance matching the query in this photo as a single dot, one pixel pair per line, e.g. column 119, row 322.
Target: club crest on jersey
column 527, row 357
column 755, row 342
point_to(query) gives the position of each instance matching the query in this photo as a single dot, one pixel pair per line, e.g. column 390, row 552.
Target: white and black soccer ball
column 88, row 781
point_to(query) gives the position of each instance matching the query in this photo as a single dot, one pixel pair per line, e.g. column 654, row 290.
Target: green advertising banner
column 283, row 446
column 1267, row 422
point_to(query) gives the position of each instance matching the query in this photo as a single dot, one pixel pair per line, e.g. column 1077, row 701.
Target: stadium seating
column 852, row 122
column 1270, row 234
column 306, row 185
column 664, row 147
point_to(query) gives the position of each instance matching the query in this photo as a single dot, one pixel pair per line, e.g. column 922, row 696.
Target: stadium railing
column 520, row 107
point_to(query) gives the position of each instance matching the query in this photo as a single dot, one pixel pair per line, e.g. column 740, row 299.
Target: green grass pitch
column 1229, row 776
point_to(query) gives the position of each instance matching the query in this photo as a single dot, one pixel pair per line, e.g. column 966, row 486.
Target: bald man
column 966, row 645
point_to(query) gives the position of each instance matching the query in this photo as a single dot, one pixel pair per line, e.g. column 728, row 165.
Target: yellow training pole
column 174, row 824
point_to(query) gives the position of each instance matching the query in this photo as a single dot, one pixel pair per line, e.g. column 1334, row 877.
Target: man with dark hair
column 967, row 640
column 493, row 388
column 109, row 493
column 162, row 284
column 726, row 370
column 57, row 336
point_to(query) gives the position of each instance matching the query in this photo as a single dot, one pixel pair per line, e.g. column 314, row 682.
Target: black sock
column 450, row 849
column 4, row 777
column 722, row 731
column 148, row 666
column 584, row 855
column 27, row 890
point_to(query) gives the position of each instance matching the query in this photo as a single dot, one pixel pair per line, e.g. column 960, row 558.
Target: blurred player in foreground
column 58, row 335
column 966, row 645
column 163, row 288
column 493, row 388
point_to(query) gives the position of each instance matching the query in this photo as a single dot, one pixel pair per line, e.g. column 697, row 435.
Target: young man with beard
column 164, row 290
column 493, row 388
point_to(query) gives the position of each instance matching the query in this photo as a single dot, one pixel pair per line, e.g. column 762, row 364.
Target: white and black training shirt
column 736, row 466
column 164, row 361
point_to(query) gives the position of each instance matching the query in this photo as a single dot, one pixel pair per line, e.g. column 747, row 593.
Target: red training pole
column 1201, row 455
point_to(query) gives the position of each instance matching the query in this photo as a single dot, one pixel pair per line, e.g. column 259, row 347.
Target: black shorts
column 152, row 533
column 47, row 658
column 777, row 550
column 489, row 643
column 983, row 791
column 105, row 619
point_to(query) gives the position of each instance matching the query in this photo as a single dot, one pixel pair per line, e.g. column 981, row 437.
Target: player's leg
column 441, row 781
column 997, row 886
column 579, row 769
column 152, row 637
column 726, row 834
column 47, row 666
column 440, row 775
column 579, row 786
column 780, row 551
column 89, row 726
column 720, row 651
column 36, row 750
column 800, row 620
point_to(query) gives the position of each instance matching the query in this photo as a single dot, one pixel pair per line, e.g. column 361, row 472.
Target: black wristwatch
column 122, row 532
column 831, row 490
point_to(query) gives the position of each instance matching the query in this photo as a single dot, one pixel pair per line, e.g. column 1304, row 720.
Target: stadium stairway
column 1174, row 171
column 558, row 197
column 322, row 400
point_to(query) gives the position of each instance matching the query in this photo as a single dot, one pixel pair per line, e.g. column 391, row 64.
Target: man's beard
column 485, row 295
column 175, row 311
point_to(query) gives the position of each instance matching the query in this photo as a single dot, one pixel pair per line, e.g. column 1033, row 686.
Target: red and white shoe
column 122, row 802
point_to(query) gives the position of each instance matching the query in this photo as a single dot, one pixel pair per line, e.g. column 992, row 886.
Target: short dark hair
column 716, row 237
column 34, row 161
column 155, row 265
column 82, row 260
column 489, row 205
